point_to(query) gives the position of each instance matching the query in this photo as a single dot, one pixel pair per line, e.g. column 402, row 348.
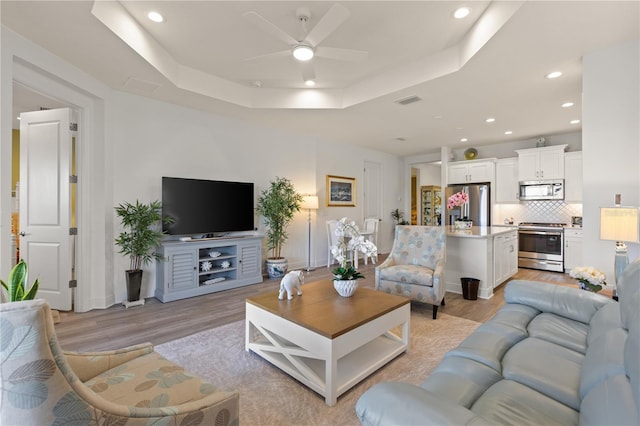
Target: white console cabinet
column 197, row 267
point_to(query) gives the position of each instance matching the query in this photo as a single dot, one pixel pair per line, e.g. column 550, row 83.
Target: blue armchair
column 415, row 266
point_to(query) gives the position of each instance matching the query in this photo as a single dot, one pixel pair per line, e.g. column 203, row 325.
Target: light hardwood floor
column 157, row 322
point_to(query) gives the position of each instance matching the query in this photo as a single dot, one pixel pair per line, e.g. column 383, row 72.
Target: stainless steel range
column 541, row 246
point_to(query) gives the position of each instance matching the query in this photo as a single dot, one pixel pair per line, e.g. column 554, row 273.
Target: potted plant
column 398, row 216
column 277, row 205
column 349, row 239
column 17, row 284
column 139, row 239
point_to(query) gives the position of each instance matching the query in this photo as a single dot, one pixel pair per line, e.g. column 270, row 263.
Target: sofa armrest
column 568, row 302
column 87, row 365
column 395, row 403
column 387, row 263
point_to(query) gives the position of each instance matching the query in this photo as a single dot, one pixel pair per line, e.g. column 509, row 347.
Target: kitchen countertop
column 479, row 231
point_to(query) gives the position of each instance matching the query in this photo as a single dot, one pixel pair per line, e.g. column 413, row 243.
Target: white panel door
column 45, row 202
column 372, row 191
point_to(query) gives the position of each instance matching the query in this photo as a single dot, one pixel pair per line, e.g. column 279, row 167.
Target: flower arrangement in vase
column 589, row 278
column 460, row 199
column 345, row 276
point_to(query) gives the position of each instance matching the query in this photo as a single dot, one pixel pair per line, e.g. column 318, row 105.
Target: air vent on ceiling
column 408, row 100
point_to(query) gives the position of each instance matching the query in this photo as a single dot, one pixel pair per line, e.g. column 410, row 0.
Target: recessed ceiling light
column 574, row 122
column 490, row 120
column 567, row 104
column 464, row 140
column 310, row 83
column 401, row 139
column 461, row 12
column 554, row 74
column 155, row 16
column 303, row 52
column 19, row 118
column 508, row 132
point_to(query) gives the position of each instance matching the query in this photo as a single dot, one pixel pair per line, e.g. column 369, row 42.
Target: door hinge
column 73, row 231
column 73, row 127
column 73, row 283
column 73, row 179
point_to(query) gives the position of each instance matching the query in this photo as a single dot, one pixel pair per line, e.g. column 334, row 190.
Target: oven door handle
column 540, row 232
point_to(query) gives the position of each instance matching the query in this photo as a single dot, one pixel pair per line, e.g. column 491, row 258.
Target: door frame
column 93, row 259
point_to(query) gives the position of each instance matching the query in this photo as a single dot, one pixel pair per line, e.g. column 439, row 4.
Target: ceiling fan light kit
column 303, row 52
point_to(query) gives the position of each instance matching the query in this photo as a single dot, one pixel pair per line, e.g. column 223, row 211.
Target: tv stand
column 207, row 265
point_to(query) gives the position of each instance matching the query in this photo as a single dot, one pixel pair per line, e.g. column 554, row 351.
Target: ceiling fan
column 306, row 46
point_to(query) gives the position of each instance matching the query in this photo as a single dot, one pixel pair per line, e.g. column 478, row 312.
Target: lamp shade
column 619, row 224
column 309, row 202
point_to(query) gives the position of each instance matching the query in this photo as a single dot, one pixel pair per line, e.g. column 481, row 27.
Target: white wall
column 610, row 141
column 134, row 141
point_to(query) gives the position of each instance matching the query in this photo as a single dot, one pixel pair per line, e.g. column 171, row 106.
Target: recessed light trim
column 567, row 105
column 490, row 120
column 464, row 140
column 309, row 83
column 574, row 122
column 553, row 74
column 155, row 16
column 461, row 12
column 303, row 52
column 508, row 132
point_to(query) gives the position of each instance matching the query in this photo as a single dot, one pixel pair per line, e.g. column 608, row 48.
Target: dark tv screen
column 206, row 206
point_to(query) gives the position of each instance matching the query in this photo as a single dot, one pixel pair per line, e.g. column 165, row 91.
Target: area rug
column 268, row 396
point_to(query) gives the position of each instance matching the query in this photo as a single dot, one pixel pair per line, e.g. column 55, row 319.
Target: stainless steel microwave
column 542, row 190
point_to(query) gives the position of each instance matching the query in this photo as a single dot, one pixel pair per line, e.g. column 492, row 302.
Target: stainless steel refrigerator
column 479, row 207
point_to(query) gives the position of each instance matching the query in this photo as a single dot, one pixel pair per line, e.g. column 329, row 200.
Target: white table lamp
column 619, row 224
column 309, row 202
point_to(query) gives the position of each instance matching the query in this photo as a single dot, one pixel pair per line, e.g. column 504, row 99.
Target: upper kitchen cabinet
column 573, row 177
column 541, row 163
column 470, row 171
column 507, row 186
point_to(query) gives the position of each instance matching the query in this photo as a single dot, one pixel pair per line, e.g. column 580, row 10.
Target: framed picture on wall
column 341, row 191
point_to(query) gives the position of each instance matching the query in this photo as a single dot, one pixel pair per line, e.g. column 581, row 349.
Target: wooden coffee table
column 328, row 342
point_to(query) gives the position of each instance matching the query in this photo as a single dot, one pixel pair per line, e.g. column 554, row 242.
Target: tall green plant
column 17, row 286
column 141, row 234
column 277, row 205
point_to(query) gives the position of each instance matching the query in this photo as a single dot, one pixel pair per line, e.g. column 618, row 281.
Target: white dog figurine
column 289, row 282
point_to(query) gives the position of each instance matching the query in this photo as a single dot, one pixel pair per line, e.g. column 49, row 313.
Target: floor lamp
column 309, row 202
column 619, row 224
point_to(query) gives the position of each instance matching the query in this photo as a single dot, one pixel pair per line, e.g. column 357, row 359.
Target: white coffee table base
column 328, row 366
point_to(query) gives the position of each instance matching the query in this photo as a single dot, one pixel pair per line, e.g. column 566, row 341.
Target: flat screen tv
column 206, row 206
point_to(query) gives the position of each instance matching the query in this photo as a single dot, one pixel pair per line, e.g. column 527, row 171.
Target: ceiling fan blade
column 270, row 28
column 340, row 54
column 308, row 72
column 328, row 24
column 279, row 54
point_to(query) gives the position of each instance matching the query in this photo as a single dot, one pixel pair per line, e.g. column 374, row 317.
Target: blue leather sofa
column 551, row 355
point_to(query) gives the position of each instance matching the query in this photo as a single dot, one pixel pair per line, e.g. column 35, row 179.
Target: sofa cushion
column 408, row 274
column 149, row 381
column 547, row 368
column 561, row 331
column 511, row 403
column 461, row 380
column 610, row 402
column 601, row 360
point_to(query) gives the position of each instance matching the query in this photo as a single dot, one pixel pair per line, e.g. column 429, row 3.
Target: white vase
column 463, row 224
column 345, row 288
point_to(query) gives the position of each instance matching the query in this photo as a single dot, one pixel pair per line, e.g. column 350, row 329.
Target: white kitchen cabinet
column 470, row 172
column 573, row 177
column 507, row 185
column 505, row 248
column 572, row 248
column 541, row 163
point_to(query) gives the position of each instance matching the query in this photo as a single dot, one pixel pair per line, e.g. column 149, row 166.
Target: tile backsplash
column 537, row 211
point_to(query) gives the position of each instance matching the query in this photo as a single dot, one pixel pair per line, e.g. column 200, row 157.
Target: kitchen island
column 487, row 253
